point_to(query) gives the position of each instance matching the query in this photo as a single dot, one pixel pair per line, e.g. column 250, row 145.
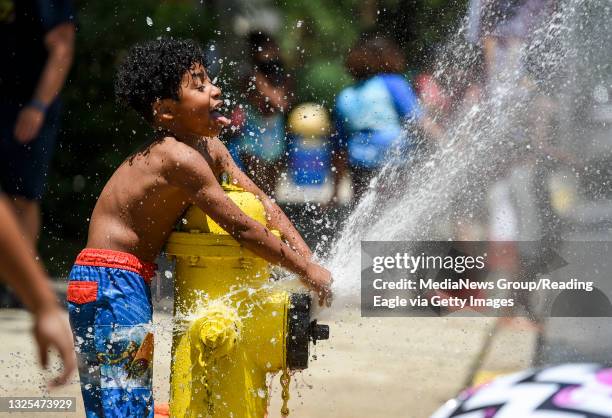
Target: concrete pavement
column 370, row 367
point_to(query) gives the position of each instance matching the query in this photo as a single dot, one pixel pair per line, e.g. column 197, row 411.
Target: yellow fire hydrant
column 233, row 324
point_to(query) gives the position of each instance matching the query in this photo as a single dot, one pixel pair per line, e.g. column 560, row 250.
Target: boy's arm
column 276, row 217
column 190, row 172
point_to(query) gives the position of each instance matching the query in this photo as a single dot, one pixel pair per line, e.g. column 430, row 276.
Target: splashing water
column 245, row 299
column 417, row 200
column 183, row 320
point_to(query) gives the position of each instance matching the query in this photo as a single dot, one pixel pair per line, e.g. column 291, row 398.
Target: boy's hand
column 51, row 329
column 319, row 279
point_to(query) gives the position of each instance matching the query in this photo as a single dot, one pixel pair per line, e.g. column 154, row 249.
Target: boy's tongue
column 221, row 119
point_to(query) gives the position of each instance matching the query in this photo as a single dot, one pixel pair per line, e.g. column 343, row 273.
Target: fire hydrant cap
column 217, row 330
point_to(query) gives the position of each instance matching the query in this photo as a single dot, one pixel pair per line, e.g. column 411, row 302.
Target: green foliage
column 318, row 33
column 321, row 81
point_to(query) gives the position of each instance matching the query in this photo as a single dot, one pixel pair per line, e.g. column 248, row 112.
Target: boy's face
column 195, row 112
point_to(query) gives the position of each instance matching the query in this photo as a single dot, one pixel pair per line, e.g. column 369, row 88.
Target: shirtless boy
column 109, row 296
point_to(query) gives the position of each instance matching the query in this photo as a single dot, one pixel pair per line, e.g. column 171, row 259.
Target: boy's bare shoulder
column 172, row 153
column 181, row 164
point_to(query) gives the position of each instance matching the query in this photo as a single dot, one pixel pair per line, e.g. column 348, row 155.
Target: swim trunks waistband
column 116, row 259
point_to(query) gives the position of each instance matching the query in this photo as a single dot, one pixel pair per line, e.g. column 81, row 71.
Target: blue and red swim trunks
column 109, row 302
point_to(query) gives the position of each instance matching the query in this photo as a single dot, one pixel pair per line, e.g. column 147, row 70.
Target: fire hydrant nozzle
column 318, row 332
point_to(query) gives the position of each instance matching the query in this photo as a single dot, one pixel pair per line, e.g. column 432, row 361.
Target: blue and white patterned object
column 110, row 313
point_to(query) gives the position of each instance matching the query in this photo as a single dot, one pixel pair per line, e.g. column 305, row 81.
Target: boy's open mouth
column 219, row 118
column 216, row 115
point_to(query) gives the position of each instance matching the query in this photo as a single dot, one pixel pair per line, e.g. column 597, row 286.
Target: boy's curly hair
column 153, row 70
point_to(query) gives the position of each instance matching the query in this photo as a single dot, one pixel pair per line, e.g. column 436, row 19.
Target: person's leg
column 8, row 116
column 28, row 214
column 24, row 169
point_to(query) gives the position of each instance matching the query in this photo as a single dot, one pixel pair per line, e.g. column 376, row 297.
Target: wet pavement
column 392, row 367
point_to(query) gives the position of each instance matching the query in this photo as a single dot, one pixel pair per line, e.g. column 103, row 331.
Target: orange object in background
column 143, row 357
column 161, row 410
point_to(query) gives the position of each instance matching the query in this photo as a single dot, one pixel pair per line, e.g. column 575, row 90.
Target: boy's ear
column 163, row 110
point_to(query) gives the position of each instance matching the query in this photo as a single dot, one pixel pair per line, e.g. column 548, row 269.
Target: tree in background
column 317, row 35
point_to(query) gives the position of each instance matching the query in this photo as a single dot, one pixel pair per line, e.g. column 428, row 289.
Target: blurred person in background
column 27, row 277
column 453, row 90
column 370, row 114
column 502, row 27
column 448, row 89
column 37, row 49
column 518, row 201
column 259, row 143
column 433, row 97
